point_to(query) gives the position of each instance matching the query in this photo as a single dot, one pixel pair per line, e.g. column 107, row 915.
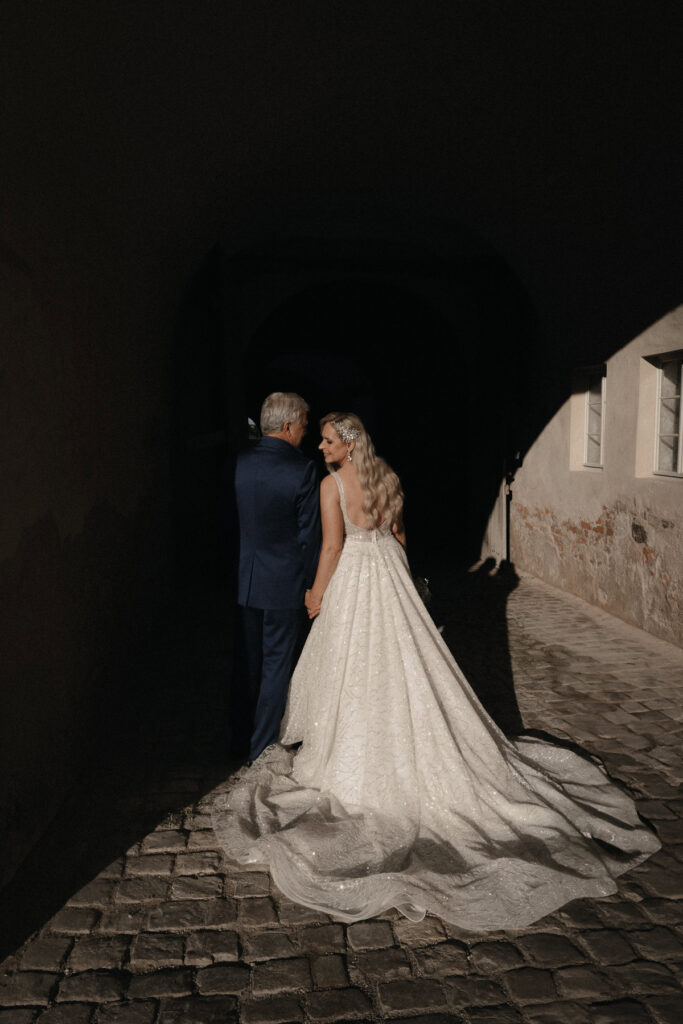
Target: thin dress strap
column 351, row 529
column 342, row 500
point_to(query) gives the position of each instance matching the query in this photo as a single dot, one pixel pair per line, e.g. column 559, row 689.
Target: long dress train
column 404, row 792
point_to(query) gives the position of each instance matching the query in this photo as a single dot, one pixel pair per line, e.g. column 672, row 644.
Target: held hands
column 312, row 603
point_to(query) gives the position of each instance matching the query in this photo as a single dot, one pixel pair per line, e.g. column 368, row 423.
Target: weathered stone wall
column 613, row 536
column 84, row 531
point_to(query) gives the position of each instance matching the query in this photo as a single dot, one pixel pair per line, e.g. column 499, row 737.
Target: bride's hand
column 312, row 604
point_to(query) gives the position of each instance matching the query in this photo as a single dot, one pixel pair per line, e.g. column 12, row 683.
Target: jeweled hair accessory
column 347, row 434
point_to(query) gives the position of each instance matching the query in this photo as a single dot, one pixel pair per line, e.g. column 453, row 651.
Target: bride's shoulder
column 328, row 486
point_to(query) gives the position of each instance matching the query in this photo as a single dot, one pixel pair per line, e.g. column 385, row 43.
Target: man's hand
column 313, row 604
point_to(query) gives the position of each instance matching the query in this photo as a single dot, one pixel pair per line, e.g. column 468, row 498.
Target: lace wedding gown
column 404, row 792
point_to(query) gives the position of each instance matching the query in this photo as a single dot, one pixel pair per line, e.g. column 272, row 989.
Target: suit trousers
column 268, row 644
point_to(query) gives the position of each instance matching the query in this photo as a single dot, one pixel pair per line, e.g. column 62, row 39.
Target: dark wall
column 136, row 136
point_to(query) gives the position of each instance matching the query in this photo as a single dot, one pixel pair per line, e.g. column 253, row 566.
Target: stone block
column 420, row 933
column 329, row 971
column 473, row 991
column 419, row 994
column 621, row 914
column 443, row 959
column 431, row 1018
column 167, row 982
column 199, row 1010
column 370, row 935
column 655, row 810
column 92, row 952
column 549, row 950
column 256, row 912
column 220, row 912
column 14, row 1015
column 204, row 888
column 127, row 1013
column 643, row 976
column 250, row 883
column 202, row 841
column 583, row 983
column 530, row 985
column 27, row 988
column 207, row 947
column 142, row 890
column 169, row 840
column 177, row 916
column 665, row 1009
column 383, row 964
column 280, row 1010
column 293, row 913
column 664, row 884
column 200, row 862
column 222, row 979
column 91, row 987
column 608, row 947
column 324, row 938
column 124, row 920
column 66, row 1013
column 159, row 949
column 493, row 957
column 150, row 864
column 97, row 893
column 339, row 1005
column 74, row 921
column 664, row 911
column 557, row 1013
column 46, row 952
column 494, row 1015
column 268, row 945
column 276, row 976
column 657, row 943
column 621, row 1011
column 198, row 821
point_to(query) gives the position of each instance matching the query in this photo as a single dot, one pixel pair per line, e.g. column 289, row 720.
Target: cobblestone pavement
column 170, row 933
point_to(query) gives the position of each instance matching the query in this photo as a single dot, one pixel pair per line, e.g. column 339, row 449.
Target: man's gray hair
column 279, row 408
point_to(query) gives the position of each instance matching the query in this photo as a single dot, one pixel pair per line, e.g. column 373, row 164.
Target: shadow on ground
column 470, row 605
column 164, row 756
column 174, row 750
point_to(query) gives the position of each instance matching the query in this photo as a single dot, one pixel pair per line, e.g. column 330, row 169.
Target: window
column 669, row 450
column 595, row 419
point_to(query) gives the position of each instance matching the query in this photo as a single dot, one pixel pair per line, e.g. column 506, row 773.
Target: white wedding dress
column 404, row 792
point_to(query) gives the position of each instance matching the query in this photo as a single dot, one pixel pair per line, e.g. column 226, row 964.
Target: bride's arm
column 333, row 541
column 399, row 533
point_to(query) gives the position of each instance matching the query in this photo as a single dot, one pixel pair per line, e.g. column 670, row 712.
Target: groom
column 278, row 509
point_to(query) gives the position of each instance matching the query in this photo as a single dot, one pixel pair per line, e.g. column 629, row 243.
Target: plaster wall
column 613, row 536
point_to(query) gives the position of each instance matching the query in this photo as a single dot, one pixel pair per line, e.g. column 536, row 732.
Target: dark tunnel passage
column 437, row 359
column 382, row 353
column 436, row 374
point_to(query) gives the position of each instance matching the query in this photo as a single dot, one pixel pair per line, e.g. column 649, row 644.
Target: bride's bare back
column 353, row 495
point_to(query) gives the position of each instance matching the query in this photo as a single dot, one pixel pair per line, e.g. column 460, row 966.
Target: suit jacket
column 278, row 509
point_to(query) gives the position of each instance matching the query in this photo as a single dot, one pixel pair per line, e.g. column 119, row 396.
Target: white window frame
column 592, row 373
column 678, row 472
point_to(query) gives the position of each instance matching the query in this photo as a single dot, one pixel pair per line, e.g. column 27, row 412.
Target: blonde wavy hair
column 382, row 491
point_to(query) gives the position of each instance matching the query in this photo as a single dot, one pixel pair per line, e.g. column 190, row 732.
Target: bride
column 404, row 793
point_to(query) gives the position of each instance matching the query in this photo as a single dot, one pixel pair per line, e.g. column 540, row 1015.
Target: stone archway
column 428, row 341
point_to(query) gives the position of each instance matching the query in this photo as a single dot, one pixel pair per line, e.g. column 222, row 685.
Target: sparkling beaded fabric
column 404, row 792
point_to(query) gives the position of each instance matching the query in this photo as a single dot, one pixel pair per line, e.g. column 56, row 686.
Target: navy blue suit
column 278, row 510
